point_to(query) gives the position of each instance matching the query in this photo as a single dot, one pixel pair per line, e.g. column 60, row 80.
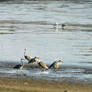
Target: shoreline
column 75, row 74
column 38, row 85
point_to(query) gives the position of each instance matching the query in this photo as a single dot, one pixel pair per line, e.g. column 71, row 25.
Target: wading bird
column 55, row 25
column 56, row 64
column 63, row 26
column 20, row 66
column 59, row 26
column 26, row 57
column 41, row 64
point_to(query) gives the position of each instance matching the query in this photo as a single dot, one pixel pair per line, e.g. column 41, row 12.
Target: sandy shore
column 35, row 85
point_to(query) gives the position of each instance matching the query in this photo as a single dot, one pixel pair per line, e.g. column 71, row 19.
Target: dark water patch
column 88, row 71
column 2, row 33
column 79, row 1
column 87, row 30
column 86, row 54
column 23, row 22
column 90, row 49
column 79, row 25
column 5, row 0
column 14, row 24
column 87, row 62
column 6, row 28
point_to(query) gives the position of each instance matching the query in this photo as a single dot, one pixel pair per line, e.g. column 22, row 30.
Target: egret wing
column 43, row 65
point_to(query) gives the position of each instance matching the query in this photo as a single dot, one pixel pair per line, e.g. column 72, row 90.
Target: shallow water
column 29, row 24
column 66, row 73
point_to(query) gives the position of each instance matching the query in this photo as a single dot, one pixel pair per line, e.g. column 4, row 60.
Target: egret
column 41, row 64
column 63, row 26
column 56, row 64
column 26, row 57
column 59, row 26
column 20, row 66
column 56, row 25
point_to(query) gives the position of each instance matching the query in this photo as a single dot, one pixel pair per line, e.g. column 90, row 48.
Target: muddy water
column 29, row 24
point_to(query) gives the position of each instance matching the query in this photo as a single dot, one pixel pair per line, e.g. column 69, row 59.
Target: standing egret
column 26, row 57
column 20, row 66
column 55, row 25
column 56, row 64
